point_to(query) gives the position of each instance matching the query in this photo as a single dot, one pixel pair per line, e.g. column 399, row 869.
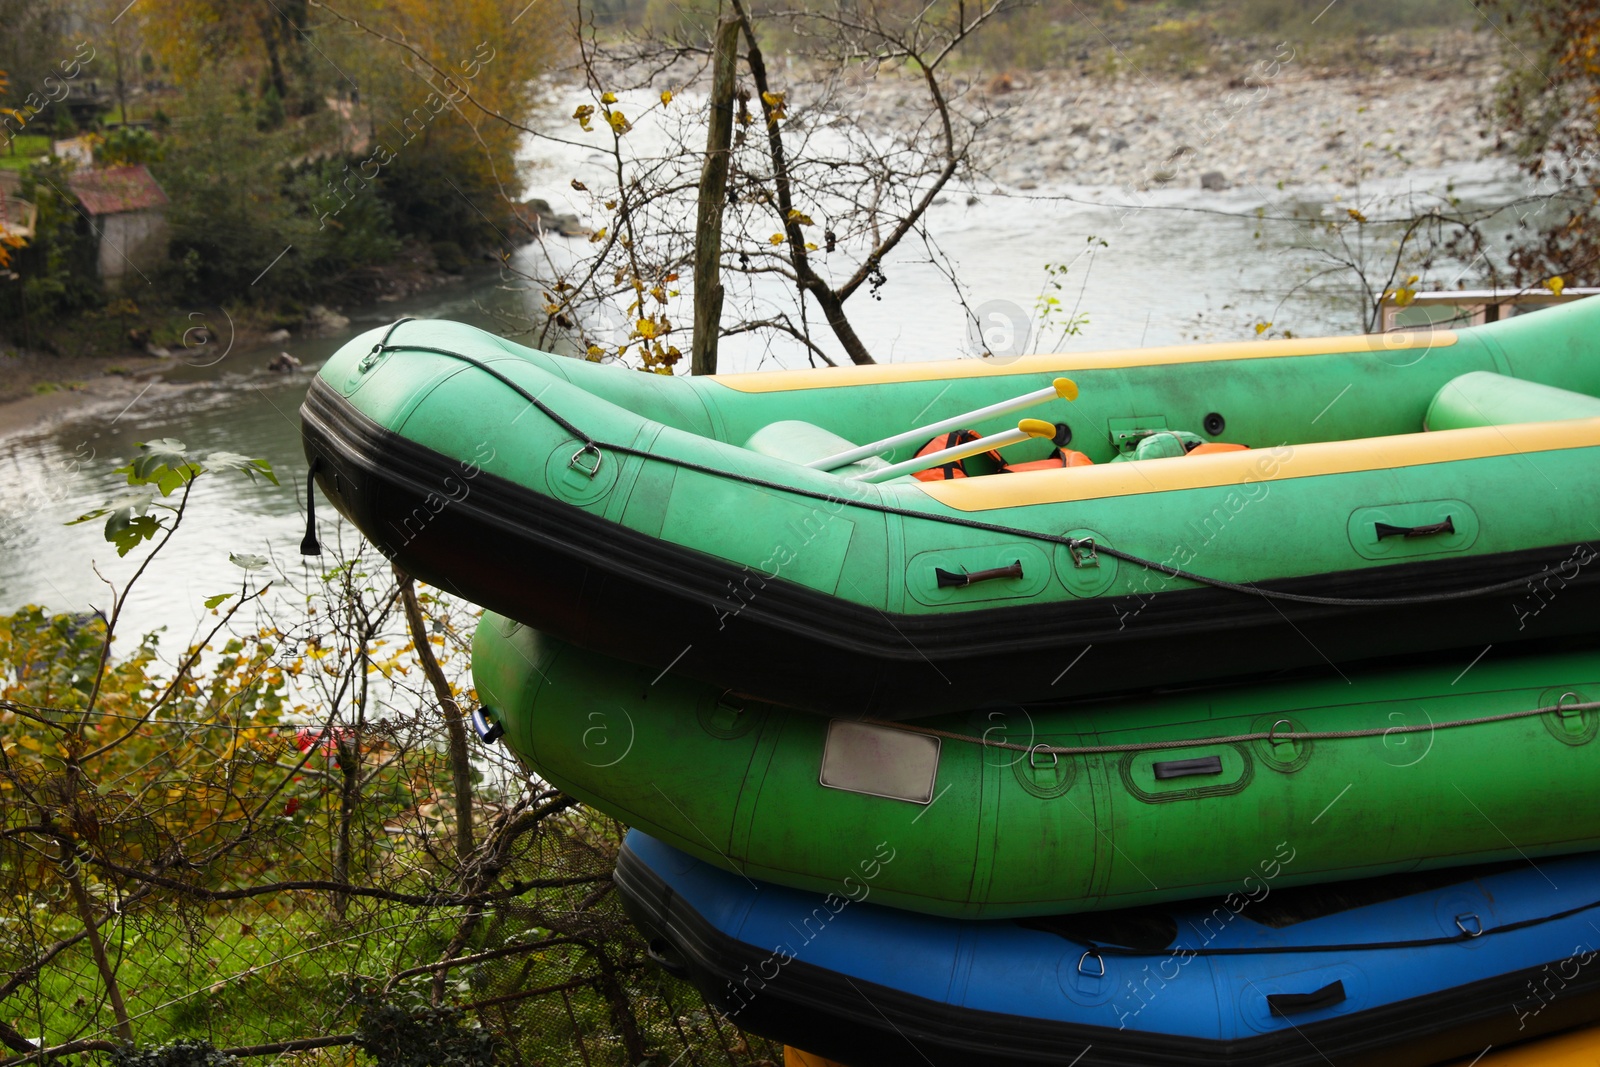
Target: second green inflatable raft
column 1161, row 811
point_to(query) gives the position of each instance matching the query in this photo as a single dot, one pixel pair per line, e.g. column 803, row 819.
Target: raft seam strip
column 1267, row 735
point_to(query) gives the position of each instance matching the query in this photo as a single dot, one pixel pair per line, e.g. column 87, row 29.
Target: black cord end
column 309, row 545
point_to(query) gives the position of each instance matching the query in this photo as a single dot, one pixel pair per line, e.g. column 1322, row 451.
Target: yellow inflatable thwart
column 1576, row 1048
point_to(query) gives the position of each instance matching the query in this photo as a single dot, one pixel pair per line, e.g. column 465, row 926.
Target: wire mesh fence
column 273, row 845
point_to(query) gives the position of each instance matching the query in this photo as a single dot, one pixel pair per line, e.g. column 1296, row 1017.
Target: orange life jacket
column 1060, row 458
column 1063, row 457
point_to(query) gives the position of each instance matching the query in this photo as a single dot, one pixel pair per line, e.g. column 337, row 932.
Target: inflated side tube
column 1482, row 398
column 1184, row 794
column 1397, row 972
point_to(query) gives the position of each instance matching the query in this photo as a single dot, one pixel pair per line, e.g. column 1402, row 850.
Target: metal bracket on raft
column 1476, row 925
column 588, row 472
column 1092, row 954
column 1082, row 557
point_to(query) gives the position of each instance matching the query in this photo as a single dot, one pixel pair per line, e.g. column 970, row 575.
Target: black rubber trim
column 1383, row 529
column 558, row 568
column 861, row 1023
column 1188, row 768
column 960, row 579
column 1283, row 1005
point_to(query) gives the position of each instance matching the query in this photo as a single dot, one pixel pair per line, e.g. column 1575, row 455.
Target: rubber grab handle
column 949, row 579
column 657, row 951
column 1383, row 529
column 488, row 730
column 1284, row 1004
column 1185, row 768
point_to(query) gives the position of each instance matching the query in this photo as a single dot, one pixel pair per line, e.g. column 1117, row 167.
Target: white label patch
column 880, row 762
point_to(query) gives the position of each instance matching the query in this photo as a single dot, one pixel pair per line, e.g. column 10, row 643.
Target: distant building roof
column 116, row 189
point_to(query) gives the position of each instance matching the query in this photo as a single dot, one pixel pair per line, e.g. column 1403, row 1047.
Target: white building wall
column 132, row 245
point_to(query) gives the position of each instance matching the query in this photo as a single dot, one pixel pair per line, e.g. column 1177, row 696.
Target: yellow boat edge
column 780, row 381
column 1217, row 470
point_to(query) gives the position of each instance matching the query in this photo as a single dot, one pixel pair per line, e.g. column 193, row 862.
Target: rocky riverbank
column 1259, row 116
column 1292, row 128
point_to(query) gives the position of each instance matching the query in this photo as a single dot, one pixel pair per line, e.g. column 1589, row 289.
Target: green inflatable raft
column 1220, row 791
column 1233, row 508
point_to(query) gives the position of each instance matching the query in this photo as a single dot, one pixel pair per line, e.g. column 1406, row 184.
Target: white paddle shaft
column 1034, row 428
column 1062, row 387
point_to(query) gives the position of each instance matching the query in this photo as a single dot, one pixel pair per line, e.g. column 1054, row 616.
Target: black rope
column 1078, row 543
column 1365, row 946
column 308, row 544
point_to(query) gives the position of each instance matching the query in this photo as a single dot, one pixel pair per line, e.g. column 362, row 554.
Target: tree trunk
column 122, row 88
column 713, row 195
column 808, row 279
column 108, row 976
column 269, row 39
column 349, row 764
column 454, row 723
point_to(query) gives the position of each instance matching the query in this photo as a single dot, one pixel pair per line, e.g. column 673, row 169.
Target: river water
column 1165, row 275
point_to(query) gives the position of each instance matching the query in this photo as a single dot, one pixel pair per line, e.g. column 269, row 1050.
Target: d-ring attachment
column 1042, row 749
column 1083, row 553
column 1272, row 734
column 576, row 463
column 1470, row 925
column 1097, row 958
column 1562, row 699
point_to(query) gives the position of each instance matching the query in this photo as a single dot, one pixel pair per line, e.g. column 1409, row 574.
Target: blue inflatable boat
column 1403, row 970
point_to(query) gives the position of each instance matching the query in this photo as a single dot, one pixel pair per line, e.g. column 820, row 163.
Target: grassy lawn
column 22, row 150
column 239, row 978
column 251, row 974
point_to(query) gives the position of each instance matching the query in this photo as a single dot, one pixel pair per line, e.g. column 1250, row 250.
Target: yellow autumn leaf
column 646, row 328
column 619, row 122
column 1556, row 284
column 1262, row 327
column 597, row 236
column 608, row 98
column 596, row 353
column 801, row 217
column 666, row 96
column 1354, row 214
column 810, row 247
column 776, row 238
column 29, row 742
column 584, row 113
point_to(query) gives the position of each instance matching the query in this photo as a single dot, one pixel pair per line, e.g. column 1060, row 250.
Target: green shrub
column 425, row 1037
column 181, row 1053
